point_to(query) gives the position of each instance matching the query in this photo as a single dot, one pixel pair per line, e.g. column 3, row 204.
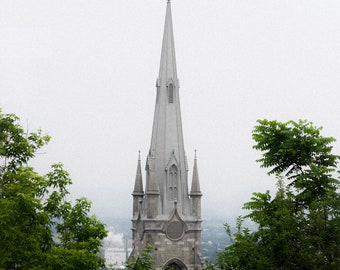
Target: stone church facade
column 166, row 214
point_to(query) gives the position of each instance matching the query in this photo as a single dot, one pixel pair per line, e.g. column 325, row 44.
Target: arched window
column 171, row 92
column 173, row 182
column 175, row 264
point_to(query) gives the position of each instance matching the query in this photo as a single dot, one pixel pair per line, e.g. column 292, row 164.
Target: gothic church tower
column 166, row 214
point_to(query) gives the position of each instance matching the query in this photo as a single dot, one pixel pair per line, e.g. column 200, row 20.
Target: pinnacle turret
column 195, row 193
column 195, row 184
column 138, row 190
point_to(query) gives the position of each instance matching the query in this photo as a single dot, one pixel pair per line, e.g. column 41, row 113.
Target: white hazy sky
column 85, row 73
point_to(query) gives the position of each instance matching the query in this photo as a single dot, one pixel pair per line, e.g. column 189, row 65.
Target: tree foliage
column 299, row 227
column 143, row 262
column 298, row 151
column 39, row 228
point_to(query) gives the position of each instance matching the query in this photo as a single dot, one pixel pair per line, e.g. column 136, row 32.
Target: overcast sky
column 85, row 72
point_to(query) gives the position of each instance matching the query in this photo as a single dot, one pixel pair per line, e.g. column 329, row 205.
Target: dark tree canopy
column 298, row 151
column 39, row 228
column 298, row 227
column 292, row 147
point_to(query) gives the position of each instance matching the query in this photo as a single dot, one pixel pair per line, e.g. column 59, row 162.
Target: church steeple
column 167, row 215
column 167, row 69
column 167, row 146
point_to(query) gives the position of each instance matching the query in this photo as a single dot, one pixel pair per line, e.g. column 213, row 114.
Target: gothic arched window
column 173, row 182
column 171, row 92
column 175, row 264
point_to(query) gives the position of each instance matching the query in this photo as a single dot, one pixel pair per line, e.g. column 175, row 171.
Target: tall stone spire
column 167, row 215
column 167, row 147
column 168, row 58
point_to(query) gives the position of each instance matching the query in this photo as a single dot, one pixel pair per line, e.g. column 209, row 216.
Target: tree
column 39, row 228
column 144, row 262
column 299, row 227
column 297, row 150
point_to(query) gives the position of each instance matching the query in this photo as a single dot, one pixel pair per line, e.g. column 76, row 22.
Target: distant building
column 116, row 249
column 167, row 214
column 115, row 257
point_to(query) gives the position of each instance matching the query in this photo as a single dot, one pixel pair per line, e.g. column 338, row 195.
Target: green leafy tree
column 297, row 150
column 39, row 228
column 299, row 227
column 144, row 262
